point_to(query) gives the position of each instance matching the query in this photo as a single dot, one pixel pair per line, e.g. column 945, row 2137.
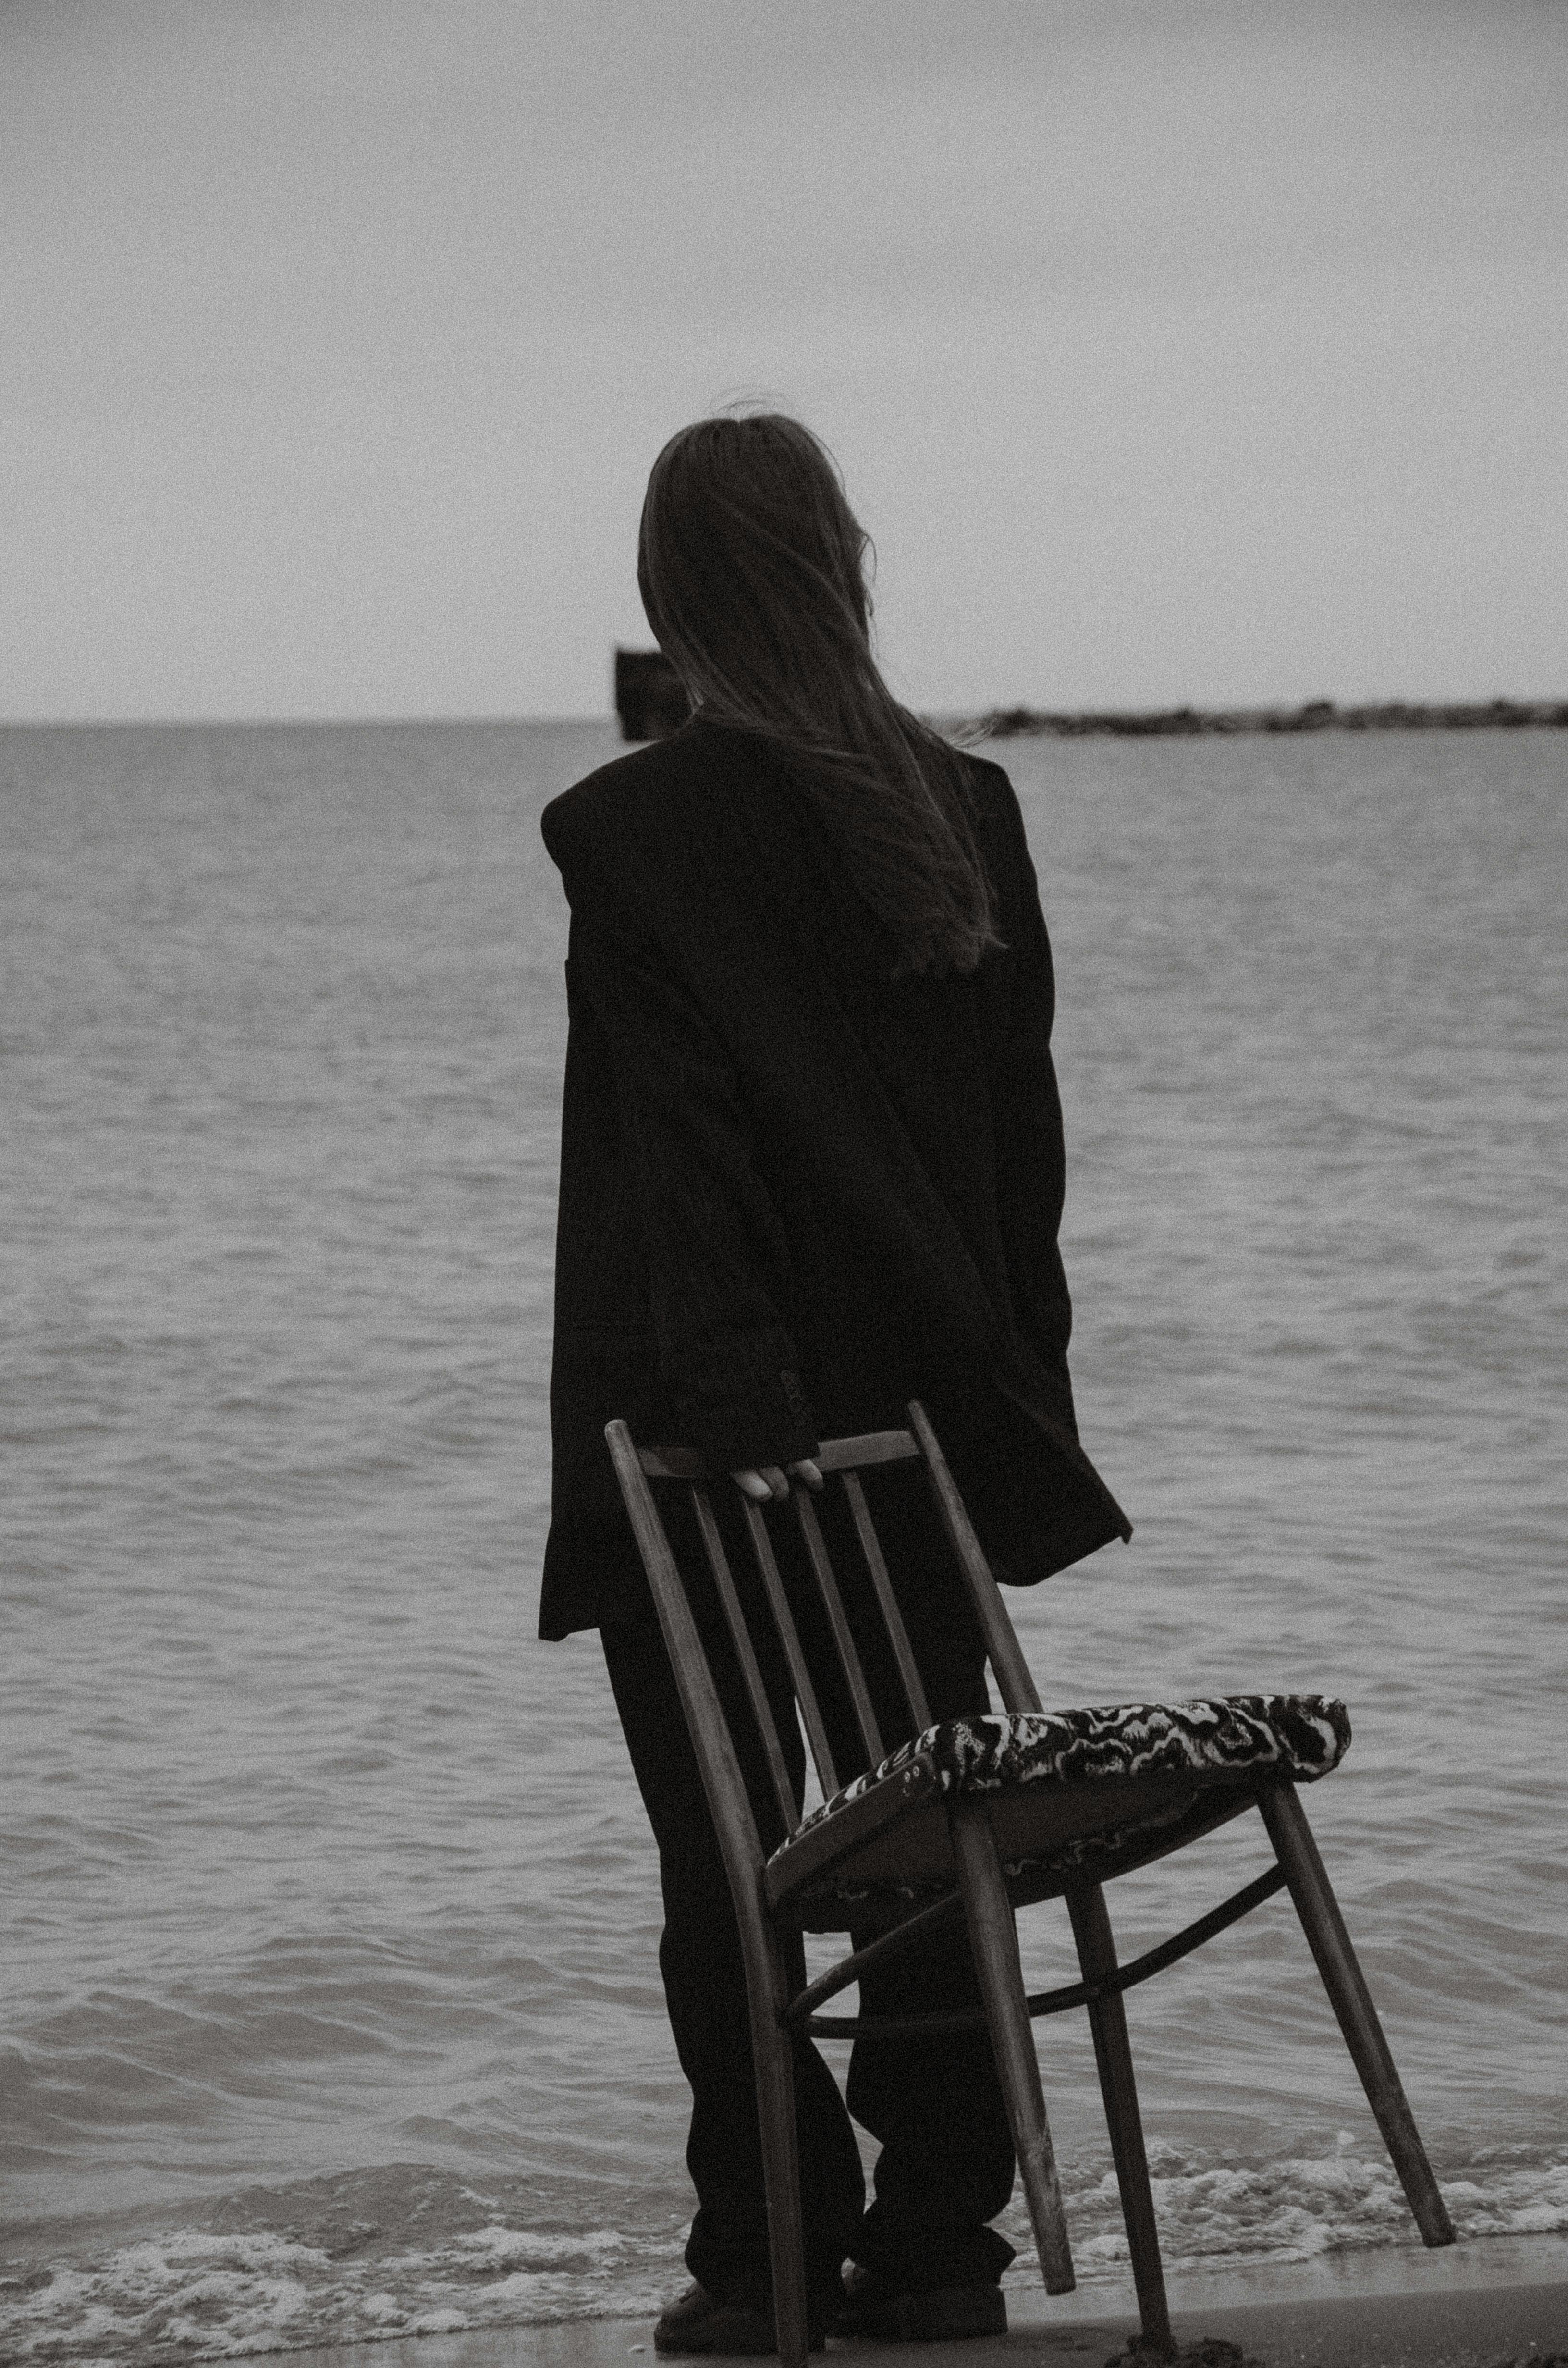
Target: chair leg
column 993, row 1943
column 781, row 2160
column 1113, row 2055
column 1342, row 1977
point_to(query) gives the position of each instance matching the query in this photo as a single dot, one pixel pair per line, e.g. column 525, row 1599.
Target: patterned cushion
column 1298, row 1736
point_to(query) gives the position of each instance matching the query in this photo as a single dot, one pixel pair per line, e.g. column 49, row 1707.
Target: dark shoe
column 698, row 2321
column 873, row 2307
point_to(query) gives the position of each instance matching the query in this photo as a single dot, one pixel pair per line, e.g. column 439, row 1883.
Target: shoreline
column 1316, row 715
column 1497, row 2304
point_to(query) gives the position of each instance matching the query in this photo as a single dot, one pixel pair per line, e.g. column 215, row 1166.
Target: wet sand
column 1500, row 2304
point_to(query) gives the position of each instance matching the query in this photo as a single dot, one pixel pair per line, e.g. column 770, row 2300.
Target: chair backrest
column 841, row 1461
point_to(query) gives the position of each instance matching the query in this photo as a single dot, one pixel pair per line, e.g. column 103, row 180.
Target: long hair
column 751, row 566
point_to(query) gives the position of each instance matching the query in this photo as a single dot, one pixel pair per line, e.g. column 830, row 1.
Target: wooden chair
column 978, row 1816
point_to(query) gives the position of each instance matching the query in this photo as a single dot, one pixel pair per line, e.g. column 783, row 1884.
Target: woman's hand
column 770, row 1481
column 760, row 1486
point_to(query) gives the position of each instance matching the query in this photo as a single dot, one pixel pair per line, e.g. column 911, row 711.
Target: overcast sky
column 1172, row 351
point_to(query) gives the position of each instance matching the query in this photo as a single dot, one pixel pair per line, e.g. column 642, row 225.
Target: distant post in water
column 649, row 697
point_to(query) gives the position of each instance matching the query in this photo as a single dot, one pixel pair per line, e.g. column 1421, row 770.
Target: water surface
column 332, row 2006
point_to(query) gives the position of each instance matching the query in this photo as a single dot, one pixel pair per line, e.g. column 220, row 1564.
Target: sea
column 332, row 2009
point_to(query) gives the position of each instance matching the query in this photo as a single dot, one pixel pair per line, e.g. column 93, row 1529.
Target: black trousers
column 947, row 2161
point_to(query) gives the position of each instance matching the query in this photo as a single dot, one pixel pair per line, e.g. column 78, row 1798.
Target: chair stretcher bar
column 1040, row 2003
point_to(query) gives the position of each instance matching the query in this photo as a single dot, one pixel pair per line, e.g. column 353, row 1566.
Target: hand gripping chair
column 976, row 1817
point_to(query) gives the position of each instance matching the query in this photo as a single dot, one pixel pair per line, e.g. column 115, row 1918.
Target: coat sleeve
column 716, row 1251
column 1026, row 1116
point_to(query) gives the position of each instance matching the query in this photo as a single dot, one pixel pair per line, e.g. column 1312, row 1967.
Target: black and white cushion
column 1297, row 1736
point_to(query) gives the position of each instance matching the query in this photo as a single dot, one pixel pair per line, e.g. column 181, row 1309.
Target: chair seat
column 1077, row 1789
column 1297, row 1736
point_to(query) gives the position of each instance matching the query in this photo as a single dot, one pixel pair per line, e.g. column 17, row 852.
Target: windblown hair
column 751, row 566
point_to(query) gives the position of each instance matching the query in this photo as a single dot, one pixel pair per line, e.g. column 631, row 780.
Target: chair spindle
column 745, row 1653
column 898, row 1636
column 788, row 1636
column 833, row 1604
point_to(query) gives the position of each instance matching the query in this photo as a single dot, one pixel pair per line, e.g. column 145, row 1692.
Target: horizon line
column 1000, row 712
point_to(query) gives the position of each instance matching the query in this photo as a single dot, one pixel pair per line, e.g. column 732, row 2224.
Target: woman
column 812, row 1166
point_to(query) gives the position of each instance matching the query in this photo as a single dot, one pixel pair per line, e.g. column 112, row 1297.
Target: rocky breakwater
column 1317, row 715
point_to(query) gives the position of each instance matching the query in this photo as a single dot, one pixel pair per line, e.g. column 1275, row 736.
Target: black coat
column 795, row 1191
